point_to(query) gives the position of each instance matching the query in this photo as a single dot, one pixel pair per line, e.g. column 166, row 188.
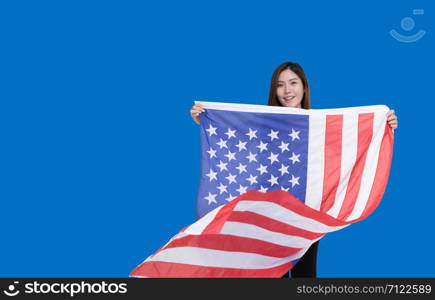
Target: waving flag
column 274, row 180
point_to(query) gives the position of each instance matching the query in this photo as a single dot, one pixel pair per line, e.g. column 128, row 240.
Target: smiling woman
column 289, row 88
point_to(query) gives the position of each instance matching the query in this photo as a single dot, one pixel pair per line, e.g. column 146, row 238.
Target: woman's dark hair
column 273, row 99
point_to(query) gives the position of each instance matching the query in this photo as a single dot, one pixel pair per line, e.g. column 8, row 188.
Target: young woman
column 289, row 87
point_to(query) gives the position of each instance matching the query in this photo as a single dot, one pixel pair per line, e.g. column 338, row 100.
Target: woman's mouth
column 290, row 98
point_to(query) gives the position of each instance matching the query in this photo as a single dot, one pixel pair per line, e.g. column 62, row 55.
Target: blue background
column 100, row 157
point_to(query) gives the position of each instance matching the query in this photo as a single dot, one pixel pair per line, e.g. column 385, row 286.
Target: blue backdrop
column 100, row 157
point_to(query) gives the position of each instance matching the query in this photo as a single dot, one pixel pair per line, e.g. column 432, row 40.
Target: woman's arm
column 195, row 111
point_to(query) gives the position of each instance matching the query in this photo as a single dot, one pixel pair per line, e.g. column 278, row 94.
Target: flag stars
column 230, row 198
column 251, row 157
column 230, row 155
column 211, row 130
column 263, row 189
column 283, row 170
column 211, row 175
column 242, row 189
column 262, row 146
column 252, row 179
column 211, row 198
column 231, row 178
column 294, row 181
column 284, row 189
column 252, row 134
column 230, row 133
column 294, row 158
column 241, row 145
column 294, row 135
column 283, row 147
column 222, row 144
column 212, row 152
column 273, row 180
column 222, row 166
column 241, row 168
column 222, row 188
column 262, row 169
column 273, row 135
column 273, row 157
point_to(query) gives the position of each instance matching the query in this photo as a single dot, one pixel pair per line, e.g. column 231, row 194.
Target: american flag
column 274, row 180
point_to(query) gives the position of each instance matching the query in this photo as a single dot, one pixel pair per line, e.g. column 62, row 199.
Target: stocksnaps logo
column 12, row 290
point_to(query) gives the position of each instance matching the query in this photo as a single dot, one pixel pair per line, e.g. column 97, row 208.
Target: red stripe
column 365, row 133
column 382, row 173
column 287, row 200
column 176, row 270
column 248, row 217
column 225, row 242
column 215, row 226
column 333, row 141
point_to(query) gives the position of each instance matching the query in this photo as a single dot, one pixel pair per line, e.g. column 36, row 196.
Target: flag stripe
column 315, row 165
column 331, row 175
column 365, row 131
column 382, row 173
column 180, row 270
column 370, row 166
column 226, row 242
column 221, row 259
column 348, row 157
column 248, row 217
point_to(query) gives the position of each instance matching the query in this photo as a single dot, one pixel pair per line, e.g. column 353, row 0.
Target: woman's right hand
column 195, row 111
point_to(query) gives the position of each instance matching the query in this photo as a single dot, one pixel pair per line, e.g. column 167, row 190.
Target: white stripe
column 199, row 226
column 255, row 232
column 316, row 161
column 287, row 110
column 222, row 259
column 370, row 165
column 284, row 215
column 348, row 157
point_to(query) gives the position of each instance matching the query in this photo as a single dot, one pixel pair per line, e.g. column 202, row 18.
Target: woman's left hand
column 392, row 119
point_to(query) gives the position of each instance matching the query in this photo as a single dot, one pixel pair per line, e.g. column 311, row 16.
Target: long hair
column 273, row 99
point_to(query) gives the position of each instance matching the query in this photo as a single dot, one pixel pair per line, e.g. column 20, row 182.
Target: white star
column 230, row 133
column 252, row 179
column 252, row 134
column 212, row 152
column 294, row 134
column 211, row 175
column 230, row 198
column 231, row 178
column 222, row 188
column 283, row 147
column 222, row 144
column 241, row 145
column 273, row 135
column 283, row 170
column 241, row 168
column 262, row 146
column 263, row 189
column 273, row 157
column 262, row 169
column 294, row 158
column 230, row 155
column 284, row 189
column 273, row 180
column 294, row 180
column 222, row 166
column 211, row 130
column 241, row 189
column 211, row 198
column 251, row 157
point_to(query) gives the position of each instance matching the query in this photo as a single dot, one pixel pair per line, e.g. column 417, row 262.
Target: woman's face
column 290, row 89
